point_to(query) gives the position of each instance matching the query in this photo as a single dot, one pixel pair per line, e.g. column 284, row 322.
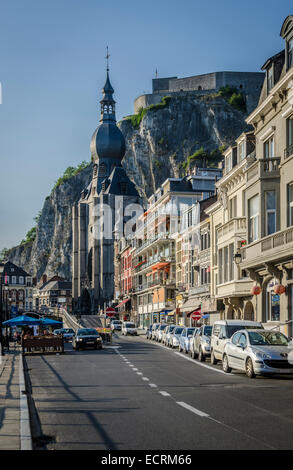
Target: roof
column 11, row 269
column 117, row 179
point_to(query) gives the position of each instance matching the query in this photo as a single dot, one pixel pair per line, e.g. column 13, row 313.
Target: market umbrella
column 21, row 321
column 48, row 322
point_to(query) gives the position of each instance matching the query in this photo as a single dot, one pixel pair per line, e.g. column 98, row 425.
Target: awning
column 173, row 312
column 160, row 265
column 190, row 305
column 123, row 302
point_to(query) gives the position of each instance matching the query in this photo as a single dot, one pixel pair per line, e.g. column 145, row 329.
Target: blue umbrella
column 49, row 321
column 21, row 321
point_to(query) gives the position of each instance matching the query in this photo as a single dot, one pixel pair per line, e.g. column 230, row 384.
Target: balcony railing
column 264, row 167
column 238, row 224
column 288, row 151
column 277, row 239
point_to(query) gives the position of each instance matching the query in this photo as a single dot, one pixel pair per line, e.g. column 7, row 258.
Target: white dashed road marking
column 153, row 385
column 145, row 379
column 192, row 409
column 165, row 394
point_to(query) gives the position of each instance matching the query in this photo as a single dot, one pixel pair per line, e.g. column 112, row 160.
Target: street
column 138, row 394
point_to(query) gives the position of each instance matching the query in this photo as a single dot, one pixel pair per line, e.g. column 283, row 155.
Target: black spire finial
column 108, row 102
column 107, row 57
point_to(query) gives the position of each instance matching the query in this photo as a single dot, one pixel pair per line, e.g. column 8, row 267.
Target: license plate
column 90, row 342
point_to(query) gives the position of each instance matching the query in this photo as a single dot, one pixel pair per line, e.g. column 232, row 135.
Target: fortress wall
column 203, row 82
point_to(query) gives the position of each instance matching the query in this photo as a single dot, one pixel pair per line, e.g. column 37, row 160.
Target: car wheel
column 249, row 368
column 213, row 359
column 201, row 356
column 226, row 368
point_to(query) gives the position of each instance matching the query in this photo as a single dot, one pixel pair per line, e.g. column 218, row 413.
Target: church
column 101, row 214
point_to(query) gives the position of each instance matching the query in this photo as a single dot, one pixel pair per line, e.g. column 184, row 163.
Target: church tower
column 93, row 256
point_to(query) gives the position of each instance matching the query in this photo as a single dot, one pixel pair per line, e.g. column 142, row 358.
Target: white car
column 174, row 337
column 223, row 330
column 257, row 352
column 129, row 328
column 116, row 325
column 159, row 332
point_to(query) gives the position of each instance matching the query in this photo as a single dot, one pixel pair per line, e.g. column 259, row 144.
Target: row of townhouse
column 229, row 253
column 17, row 289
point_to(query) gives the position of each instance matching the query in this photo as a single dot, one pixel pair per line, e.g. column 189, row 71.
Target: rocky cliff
column 158, row 143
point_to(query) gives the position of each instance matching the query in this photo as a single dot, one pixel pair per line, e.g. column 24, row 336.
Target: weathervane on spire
column 107, row 57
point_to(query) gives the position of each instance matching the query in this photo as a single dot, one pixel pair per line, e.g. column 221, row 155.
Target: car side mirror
column 241, row 346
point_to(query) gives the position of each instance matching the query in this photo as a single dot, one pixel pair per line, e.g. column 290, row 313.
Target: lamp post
column 1, row 308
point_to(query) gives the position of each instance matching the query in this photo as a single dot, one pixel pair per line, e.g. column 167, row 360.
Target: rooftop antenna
column 107, row 57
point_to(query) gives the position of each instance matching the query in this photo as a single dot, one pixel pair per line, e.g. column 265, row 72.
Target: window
column 231, row 262
column 229, row 162
column 20, row 280
column 269, row 148
column 253, row 218
column 290, row 53
column 290, row 204
column 236, row 338
column 270, row 201
column 233, row 207
column 220, row 277
column 241, row 150
column 243, row 341
column 270, row 78
column 13, row 280
column 289, row 149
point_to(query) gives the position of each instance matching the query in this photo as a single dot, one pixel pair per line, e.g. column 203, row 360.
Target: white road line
column 139, row 373
column 193, row 410
column 165, row 394
column 146, row 379
column 135, row 369
column 153, row 385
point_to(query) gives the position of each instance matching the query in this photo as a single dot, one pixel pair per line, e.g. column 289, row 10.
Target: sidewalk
column 10, row 414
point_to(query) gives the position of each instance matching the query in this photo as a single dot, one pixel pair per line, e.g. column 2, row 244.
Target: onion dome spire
column 108, row 102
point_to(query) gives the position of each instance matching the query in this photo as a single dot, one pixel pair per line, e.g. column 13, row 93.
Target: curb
column 25, row 429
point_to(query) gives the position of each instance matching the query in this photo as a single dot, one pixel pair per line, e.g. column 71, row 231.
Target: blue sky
column 52, row 69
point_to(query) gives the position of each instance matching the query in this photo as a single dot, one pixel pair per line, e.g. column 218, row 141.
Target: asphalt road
column 141, row 395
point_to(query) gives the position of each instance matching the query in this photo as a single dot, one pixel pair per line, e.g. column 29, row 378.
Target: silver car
column 159, row 332
column 167, row 333
column 185, row 338
column 200, row 343
column 258, row 352
column 174, row 337
column 154, row 330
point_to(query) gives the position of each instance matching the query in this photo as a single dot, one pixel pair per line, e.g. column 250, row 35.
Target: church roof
column 119, row 183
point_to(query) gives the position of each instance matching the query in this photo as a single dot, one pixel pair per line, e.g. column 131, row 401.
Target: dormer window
column 241, row 150
column 270, row 78
column 229, row 162
column 290, row 53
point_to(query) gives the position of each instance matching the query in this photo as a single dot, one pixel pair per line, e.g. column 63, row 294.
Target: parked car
column 87, row 337
column 129, row 328
column 174, row 337
column 167, row 333
column 159, row 332
column 149, row 332
column 257, row 352
column 68, row 333
column 223, row 330
column 116, row 325
column 184, row 339
column 200, row 344
column 154, row 329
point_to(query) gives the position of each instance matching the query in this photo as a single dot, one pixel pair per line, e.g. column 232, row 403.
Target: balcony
column 162, row 237
column 264, row 168
column 203, row 289
column 277, row 246
column 288, row 152
column 235, row 227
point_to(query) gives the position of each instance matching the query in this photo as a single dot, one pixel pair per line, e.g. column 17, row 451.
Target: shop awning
column 123, row 302
column 190, row 306
column 197, row 310
column 160, row 265
column 173, row 312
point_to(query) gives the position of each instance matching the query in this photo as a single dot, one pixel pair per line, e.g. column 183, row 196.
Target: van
column 222, row 332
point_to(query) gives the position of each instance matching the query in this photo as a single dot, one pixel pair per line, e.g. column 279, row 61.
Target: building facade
column 53, row 293
column 17, row 289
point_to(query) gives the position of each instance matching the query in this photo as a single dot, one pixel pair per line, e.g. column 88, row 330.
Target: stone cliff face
column 155, row 151
column 166, row 137
column 50, row 253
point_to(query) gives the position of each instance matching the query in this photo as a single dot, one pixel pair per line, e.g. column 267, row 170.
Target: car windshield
column 267, row 338
column 178, row 331
column 231, row 329
column 87, row 332
column 190, row 331
column 207, row 330
column 162, row 327
column 130, row 325
column 171, row 328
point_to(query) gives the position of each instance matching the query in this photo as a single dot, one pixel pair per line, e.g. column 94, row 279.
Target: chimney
column 44, row 278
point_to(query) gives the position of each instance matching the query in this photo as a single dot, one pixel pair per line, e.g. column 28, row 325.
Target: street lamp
column 2, row 265
column 237, row 257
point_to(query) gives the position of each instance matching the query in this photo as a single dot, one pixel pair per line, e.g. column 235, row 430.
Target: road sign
column 196, row 315
column 110, row 312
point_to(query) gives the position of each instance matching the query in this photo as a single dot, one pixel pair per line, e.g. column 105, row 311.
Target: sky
column 52, row 70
